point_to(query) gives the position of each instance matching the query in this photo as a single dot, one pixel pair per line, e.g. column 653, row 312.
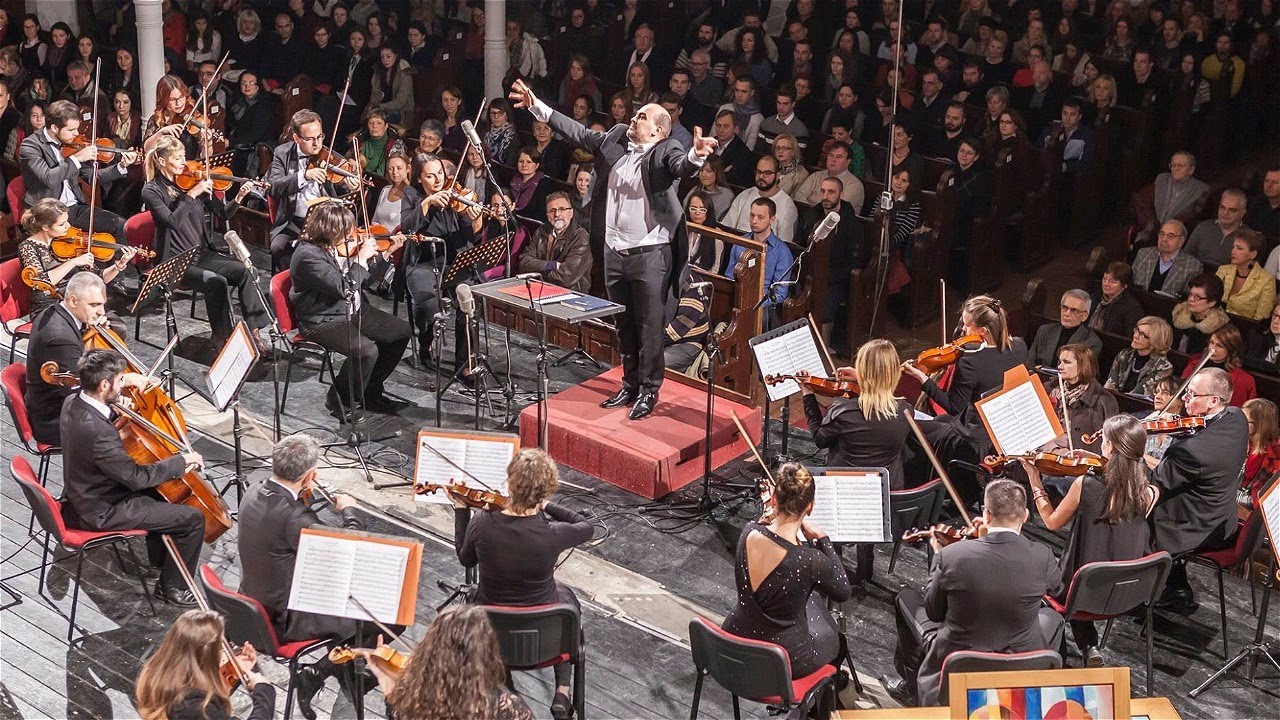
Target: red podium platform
column 651, row 457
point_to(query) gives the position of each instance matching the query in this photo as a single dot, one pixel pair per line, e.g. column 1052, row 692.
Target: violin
column 768, row 508
column 1160, row 426
column 828, row 387
column 1049, row 463
column 107, row 150
column 464, row 198
column 396, row 659
column 380, row 234
column 101, row 245
column 471, row 497
column 948, row 533
column 935, row 359
column 339, row 168
column 31, row 277
column 194, row 172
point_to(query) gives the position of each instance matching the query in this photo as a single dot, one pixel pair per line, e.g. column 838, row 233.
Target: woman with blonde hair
column 1264, row 443
column 516, row 548
column 181, row 680
column 791, row 171
column 1145, row 360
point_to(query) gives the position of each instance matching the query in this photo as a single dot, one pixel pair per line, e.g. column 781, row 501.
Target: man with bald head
column 637, row 230
column 1210, row 242
column 1164, row 267
column 1041, row 102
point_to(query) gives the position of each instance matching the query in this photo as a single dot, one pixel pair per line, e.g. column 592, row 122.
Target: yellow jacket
column 1256, row 297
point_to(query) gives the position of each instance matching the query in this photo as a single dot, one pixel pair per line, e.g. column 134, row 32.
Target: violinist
column 46, row 221
column 107, row 490
column 516, row 549
column 180, row 218
column 433, row 214
column 295, row 183
column 272, row 516
column 173, row 105
column 48, row 174
column 1109, row 512
column 372, row 339
column 181, row 679
column 961, row 434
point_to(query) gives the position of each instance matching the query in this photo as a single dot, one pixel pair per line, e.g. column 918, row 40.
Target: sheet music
column 487, row 460
column 787, row 354
column 1270, row 507
column 328, row 570
column 1018, row 420
column 851, row 508
column 230, row 367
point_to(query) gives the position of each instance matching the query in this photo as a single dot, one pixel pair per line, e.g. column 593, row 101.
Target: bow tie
column 634, row 146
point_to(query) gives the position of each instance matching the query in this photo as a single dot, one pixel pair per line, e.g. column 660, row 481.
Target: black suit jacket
column 987, row 594
column 44, row 170
column 97, row 472
column 270, row 523
column 976, row 374
column 1198, row 478
column 56, row 336
column 851, row 440
column 283, row 181
column 318, row 294
column 739, row 166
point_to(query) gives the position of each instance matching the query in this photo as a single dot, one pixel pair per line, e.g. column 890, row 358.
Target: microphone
column 529, row 276
column 704, row 284
column 828, row 224
column 238, row 248
column 466, row 301
column 886, row 201
column 469, row 130
column 431, row 239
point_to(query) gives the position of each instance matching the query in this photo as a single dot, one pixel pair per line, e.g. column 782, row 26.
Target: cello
column 153, row 430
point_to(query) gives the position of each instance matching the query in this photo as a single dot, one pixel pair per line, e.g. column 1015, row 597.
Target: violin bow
column 395, row 637
column 909, row 414
column 93, row 141
column 752, row 446
column 1066, row 416
column 942, row 291
column 459, row 468
column 337, row 121
column 822, row 345
column 203, row 603
column 204, row 93
column 1183, row 387
column 457, row 170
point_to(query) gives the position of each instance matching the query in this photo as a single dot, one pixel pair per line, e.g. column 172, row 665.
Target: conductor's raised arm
column 522, row 96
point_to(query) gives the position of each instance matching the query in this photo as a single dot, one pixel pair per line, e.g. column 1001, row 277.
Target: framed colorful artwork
column 1068, row 694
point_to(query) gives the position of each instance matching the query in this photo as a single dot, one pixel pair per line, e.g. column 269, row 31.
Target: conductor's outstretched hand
column 703, row 146
column 521, row 95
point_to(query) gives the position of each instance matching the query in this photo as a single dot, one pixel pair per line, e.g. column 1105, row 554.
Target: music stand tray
column 483, row 256
column 167, row 273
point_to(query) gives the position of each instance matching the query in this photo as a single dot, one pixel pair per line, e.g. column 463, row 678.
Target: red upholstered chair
column 281, row 284
column 1248, row 538
column 14, row 381
column 918, row 507
column 15, row 303
column 1107, row 590
column 540, row 636
column 247, row 621
column 966, row 661
column 756, row 670
column 16, row 190
column 77, row 542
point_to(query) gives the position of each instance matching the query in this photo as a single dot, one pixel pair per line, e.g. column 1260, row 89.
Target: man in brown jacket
column 561, row 249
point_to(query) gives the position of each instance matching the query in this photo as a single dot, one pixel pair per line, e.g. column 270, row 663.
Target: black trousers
column 146, row 511
column 374, row 340
column 103, row 221
column 282, row 243
column 420, row 283
column 638, row 280
column 214, row 274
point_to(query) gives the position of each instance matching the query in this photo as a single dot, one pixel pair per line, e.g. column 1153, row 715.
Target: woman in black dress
column 516, row 548
column 777, row 573
column 45, row 221
column 1110, row 513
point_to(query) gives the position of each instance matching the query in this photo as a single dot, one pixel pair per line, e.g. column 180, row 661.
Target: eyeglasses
column 1139, row 334
column 1197, row 296
column 1073, row 310
column 766, row 172
column 1190, row 394
column 557, row 210
column 697, row 210
column 316, row 138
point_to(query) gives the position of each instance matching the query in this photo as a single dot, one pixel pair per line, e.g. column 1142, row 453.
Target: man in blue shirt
column 777, row 259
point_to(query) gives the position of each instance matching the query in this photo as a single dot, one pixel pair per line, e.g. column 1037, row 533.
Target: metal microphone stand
column 350, row 418
column 1256, row 650
column 275, row 333
column 540, row 323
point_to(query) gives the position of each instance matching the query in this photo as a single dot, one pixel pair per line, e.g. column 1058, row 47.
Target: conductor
column 645, row 246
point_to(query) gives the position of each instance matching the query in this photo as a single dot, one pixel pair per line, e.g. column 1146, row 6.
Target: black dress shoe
column 644, row 405
column 340, row 410
column 174, row 596
column 899, row 691
column 623, row 397
column 1181, row 602
column 308, row 682
column 380, row 403
column 561, row 706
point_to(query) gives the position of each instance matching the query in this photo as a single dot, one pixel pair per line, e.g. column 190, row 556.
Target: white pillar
column 496, row 58
column 150, row 51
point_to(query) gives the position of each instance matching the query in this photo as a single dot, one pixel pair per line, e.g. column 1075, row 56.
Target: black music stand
column 482, row 257
column 164, row 277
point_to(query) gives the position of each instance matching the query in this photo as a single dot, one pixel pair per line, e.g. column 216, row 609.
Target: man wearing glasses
column 296, row 186
column 1165, row 268
column 1050, row 338
column 739, row 213
column 1197, row 479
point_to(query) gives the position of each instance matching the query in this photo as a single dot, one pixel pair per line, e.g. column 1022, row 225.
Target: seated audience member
column 1073, row 308
column 733, row 153
column 1226, row 352
column 1145, row 360
column 528, row 189
column 501, row 139
column 377, row 141
column 681, row 134
column 1263, row 353
column 1200, row 315
column 783, row 581
column 777, row 259
column 961, row 609
column 1107, row 511
column 1086, row 403
column 1210, row 242
column 555, row 153
column 944, row 141
column 1247, row 289
column 459, row 652
column 1164, row 404
column 430, row 136
column 1264, row 443
column 907, row 211
column 560, row 250
column 791, row 172
column 846, row 253
column 841, row 134
column 1264, row 210
column 1198, row 480
column 1115, row 309
column 1164, row 267
column 837, row 166
column 747, row 117
column 766, row 186
column 706, row 253
column 785, row 121
column 684, row 336
column 1175, row 195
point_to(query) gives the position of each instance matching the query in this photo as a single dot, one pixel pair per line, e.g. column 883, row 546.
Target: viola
column 194, row 172
column 107, row 150
column 101, row 245
column 339, row 168
column 1050, row 463
column 396, row 659
column 828, row 387
column 1161, row 426
column 935, row 359
column 472, row 497
column 153, row 429
column 949, row 533
column 31, row 277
